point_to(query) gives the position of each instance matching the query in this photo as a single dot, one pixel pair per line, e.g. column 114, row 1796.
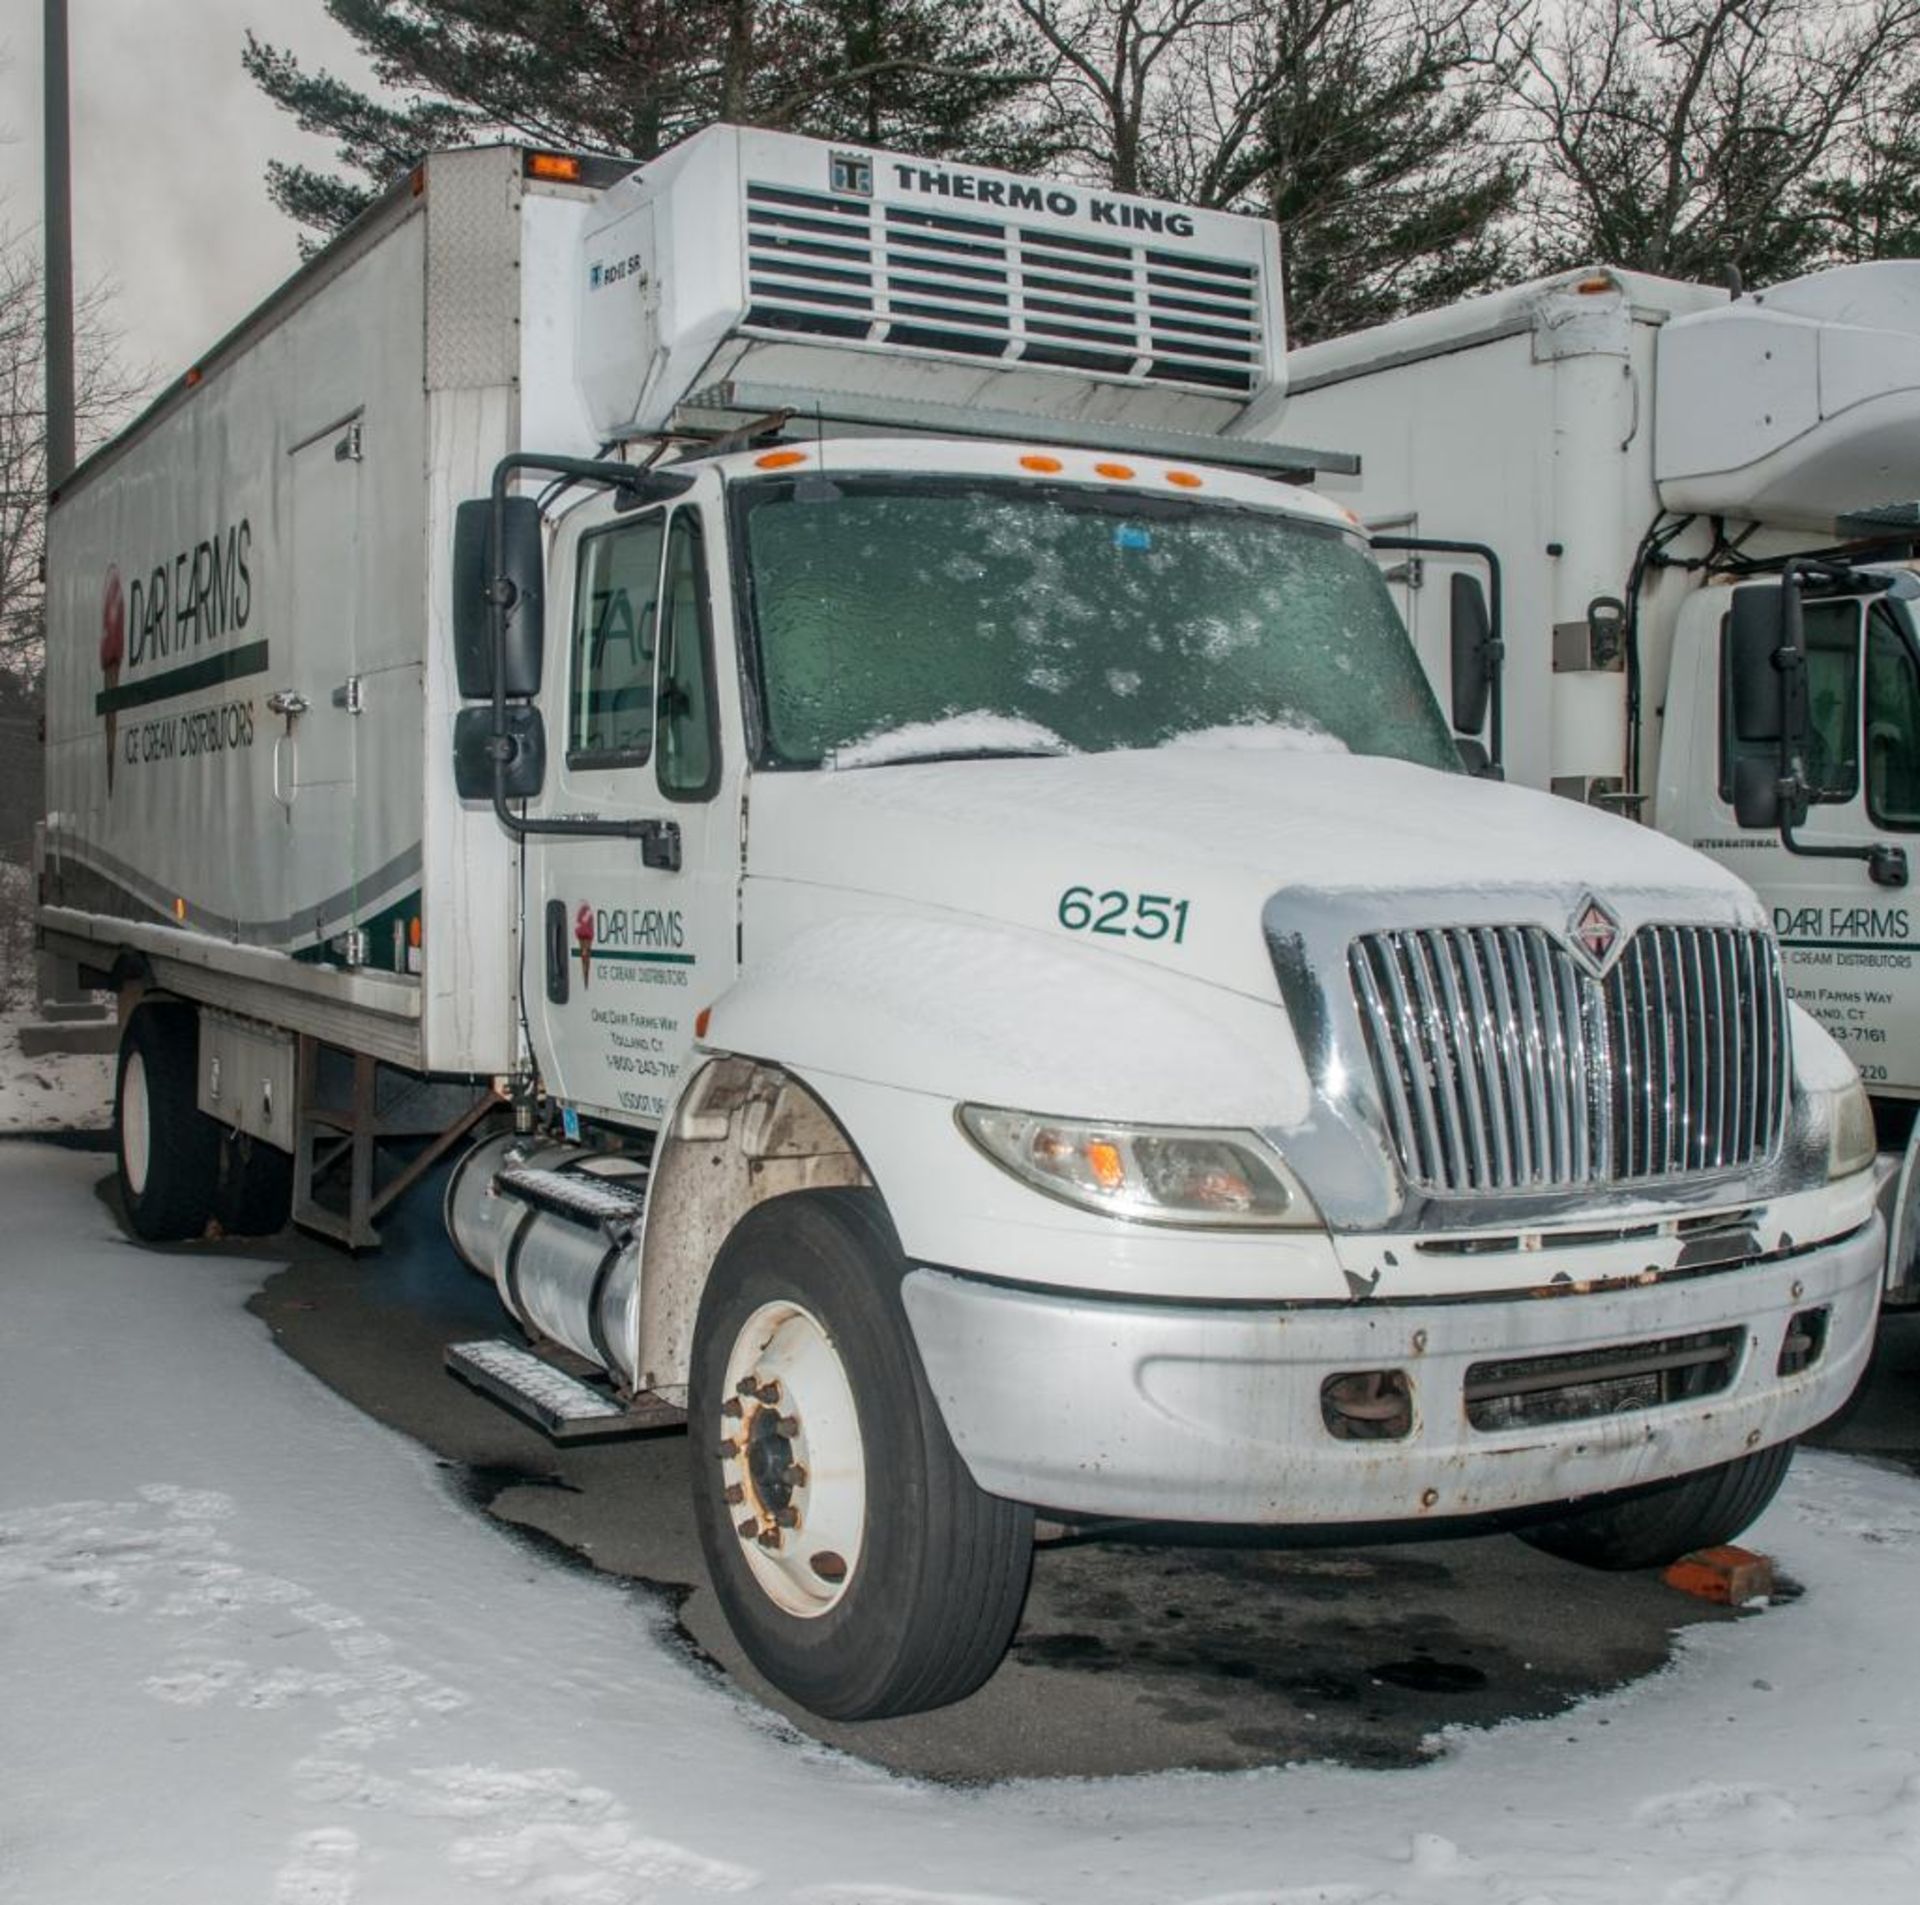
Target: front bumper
column 1212, row 1412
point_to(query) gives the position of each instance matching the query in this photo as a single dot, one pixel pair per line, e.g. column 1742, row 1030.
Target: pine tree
column 1364, row 128
column 632, row 77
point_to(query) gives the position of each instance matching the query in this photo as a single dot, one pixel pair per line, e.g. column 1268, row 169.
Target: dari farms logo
column 583, row 943
column 626, row 938
column 113, row 657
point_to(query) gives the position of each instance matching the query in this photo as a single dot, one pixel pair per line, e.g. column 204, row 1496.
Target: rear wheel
column 1659, row 1525
column 858, row 1564
column 167, row 1148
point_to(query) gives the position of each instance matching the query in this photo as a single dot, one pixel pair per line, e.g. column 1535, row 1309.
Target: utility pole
column 59, row 259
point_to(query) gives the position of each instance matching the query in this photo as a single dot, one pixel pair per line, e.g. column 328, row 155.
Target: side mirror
column 477, row 566
column 473, row 756
column 1756, row 632
column 1471, row 634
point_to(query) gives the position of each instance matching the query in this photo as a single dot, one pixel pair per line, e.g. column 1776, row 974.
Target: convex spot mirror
column 1471, row 633
column 1756, row 794
column 521, row 562
column 473, row 754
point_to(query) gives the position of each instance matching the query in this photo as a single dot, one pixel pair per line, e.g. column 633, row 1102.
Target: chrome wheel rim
column 136, row 1130
column 792, row 1460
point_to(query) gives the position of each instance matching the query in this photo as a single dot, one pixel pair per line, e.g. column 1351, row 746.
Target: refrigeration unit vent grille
column 826, row 264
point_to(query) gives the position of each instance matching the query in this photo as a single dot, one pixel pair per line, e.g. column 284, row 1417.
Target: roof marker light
column 1046, row 465
column 1120, row 472
column 780, row 459
column 1592, row 287
column 1184, row 479
column 558, row 166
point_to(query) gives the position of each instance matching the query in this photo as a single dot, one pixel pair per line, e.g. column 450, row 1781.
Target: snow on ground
column 63, row 1092
column 66, row 1091
column 255, row 1649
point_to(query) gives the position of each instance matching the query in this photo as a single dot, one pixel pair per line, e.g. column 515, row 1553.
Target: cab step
column 614, row 1205
column 560, row 1405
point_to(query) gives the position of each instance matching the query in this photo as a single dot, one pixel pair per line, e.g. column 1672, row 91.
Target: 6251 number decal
column 1123, row 915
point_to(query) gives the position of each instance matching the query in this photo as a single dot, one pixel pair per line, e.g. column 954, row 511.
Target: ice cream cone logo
column 113, row 651
column 583, row 937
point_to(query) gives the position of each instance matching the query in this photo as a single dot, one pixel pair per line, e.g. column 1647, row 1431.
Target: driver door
column 622, row 954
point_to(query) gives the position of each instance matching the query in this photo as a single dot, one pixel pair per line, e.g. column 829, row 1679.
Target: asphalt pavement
column 1133, row 1655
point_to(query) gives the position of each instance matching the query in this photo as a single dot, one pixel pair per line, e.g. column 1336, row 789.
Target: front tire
column 1658, row 1525
column 859, row 1565
column 167, row 1148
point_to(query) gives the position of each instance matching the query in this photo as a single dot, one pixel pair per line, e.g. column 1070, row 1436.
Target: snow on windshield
column 978, row 732
column 1111, row 620
column 1290, row 737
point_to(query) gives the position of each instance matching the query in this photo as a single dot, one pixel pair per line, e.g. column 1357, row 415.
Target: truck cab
column 965, row 965
column 1837, row 886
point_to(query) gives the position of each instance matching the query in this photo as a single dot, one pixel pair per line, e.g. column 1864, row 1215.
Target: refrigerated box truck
column 1665, row 472
column 781, row 704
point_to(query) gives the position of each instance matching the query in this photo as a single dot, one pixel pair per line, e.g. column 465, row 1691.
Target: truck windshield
column 976, row 617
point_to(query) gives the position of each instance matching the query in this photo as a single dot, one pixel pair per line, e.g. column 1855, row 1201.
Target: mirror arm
column 659, row 839
column 1886, row 866
column 1496, row 644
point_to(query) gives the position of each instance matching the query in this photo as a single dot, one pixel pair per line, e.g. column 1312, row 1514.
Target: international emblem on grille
column 1596, row 932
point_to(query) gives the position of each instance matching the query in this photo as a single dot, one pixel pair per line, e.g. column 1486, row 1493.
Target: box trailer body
column 1637, row 452
column 250, row 679
column 945, row 899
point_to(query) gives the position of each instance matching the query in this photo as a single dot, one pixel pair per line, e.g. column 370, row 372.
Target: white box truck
column 782, row 700
column 1703, row 510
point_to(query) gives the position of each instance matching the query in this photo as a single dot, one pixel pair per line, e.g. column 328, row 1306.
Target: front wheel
column 858, row 1564
column 1658, row 1525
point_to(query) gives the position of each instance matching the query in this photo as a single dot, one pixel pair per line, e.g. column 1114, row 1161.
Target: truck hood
column 1233, row 834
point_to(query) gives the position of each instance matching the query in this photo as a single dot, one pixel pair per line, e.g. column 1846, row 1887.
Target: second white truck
column 781, row 706
column 1703, row 510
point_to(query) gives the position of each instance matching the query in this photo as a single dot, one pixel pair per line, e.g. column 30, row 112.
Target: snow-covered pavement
column 255, row 1649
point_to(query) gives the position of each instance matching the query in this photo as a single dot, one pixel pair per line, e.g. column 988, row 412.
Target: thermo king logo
column 851, row 172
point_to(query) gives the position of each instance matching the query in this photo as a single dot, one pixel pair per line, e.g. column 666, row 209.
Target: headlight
column 1851, row 1142
column 1152, row 1174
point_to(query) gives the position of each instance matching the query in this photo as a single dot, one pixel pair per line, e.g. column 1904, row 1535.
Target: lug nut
column 748, row 1387
column 789, row 1426
column 729, row 1449
column 770, row 1538
column 735, row 1495
column 787, row 1517
column 770, row 1394
column 794, row 1475
column 732, row 1408
column 748, row 1528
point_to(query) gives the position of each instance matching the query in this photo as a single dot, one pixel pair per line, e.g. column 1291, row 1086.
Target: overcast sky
column 170, row 147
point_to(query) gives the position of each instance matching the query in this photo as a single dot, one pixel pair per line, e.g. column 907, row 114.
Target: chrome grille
column 1504, row 1066
column 841, row 266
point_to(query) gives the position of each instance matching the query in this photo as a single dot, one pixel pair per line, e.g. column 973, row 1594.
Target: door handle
column 557, row 980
